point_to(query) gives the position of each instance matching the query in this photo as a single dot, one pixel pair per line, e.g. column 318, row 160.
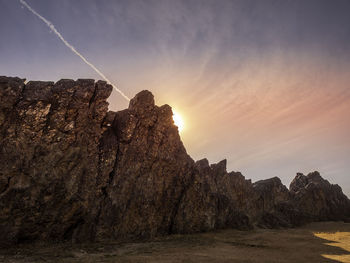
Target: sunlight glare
column 178, row 121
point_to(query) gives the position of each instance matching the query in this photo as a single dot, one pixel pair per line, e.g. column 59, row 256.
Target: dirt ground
column 317, row 242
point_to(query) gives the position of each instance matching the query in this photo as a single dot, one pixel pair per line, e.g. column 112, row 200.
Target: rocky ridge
column 72, row 170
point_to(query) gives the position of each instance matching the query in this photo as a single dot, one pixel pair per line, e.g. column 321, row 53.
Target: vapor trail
column 52, row 27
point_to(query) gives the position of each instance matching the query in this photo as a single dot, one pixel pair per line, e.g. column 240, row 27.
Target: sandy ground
column 318, row 242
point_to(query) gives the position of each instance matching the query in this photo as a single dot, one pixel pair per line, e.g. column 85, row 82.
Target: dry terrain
column 317, row 242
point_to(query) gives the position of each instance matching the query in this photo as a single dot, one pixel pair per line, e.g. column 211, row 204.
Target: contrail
column 52, row 27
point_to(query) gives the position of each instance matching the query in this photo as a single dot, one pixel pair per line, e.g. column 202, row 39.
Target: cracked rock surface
column 72, row 170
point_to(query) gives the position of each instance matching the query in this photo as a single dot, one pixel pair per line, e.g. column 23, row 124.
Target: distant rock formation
column 72, row 170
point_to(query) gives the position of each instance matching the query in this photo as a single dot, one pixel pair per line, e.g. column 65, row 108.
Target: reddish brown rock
column 150, row 172
column 71, row 170
column 215, row 199
column 49, row 152
column 318, row 200
column 275, row 205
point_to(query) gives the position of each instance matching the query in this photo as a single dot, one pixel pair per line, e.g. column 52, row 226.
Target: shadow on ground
column 318, row 242
column 339, row 238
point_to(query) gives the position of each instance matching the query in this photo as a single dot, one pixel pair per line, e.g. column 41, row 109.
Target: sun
column 178, row 121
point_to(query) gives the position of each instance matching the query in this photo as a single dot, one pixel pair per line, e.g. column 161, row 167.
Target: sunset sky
column 264, row 84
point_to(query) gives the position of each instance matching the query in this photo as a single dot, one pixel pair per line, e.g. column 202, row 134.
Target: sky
column 264, row 84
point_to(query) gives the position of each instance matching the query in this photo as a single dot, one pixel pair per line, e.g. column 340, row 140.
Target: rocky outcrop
column 317, row 199
column 50, row 183
column 276, row 205
column 150, row 172
column 72, row 170
column 215, row 199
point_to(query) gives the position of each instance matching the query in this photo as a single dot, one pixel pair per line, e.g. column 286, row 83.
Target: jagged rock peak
column 301, row 181
column 219, row 167
column 318, row 199
column 202, row 164
column 9, row 80
column 144, row 100
column 72, row 170
column 269, row 184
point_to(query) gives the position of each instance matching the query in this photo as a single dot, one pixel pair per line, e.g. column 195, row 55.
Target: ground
column 317, row 242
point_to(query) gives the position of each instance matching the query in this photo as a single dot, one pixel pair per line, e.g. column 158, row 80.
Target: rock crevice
column 72, row 170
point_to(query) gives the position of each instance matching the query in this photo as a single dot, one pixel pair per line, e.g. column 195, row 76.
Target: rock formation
column 72, row 170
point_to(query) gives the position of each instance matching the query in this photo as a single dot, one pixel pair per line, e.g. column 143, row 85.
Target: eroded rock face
column 150, row 172
column 317, row 199
column 72, row 170
column 215, row 199
column 49, row 152
column 275, row 205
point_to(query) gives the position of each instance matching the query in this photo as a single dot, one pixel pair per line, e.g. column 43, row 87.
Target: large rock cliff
column 72, row 170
